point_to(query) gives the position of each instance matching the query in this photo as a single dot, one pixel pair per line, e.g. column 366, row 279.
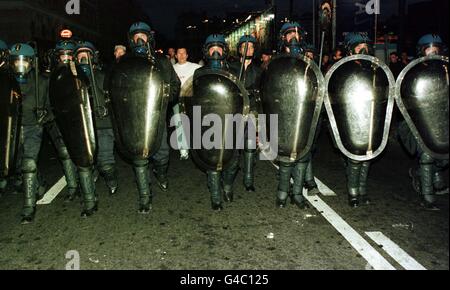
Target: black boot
column 42, row 187
column 70, row 173
column 426, row 181
column 284, row 184
column 30, row 188
column 87, row 184
column 282, row 198
column 215, row 189
column 299, row 173
column 145, row 203
column 17, row 183
column 228, row 194
column 310, row 182
column 110, row 176
column 143, row 183
column 353, row 176
column 439, row 184
column 229, row 176
column 160, row 172
column 415, row 179
column 249, row 174
column 72, row 194
column 363, row 177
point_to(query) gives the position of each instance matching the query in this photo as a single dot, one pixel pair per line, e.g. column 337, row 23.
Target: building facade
column 103, row 22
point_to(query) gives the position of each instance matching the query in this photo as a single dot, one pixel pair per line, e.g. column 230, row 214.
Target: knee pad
column 63, row 153
column 426, row 159
column 140, row 163
column 29, row 166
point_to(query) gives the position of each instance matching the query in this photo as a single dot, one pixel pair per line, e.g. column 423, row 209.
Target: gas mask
column 294, row 46
column 83, row 64
column 141, row 47
column 65, row 56
column 21, row 66
column 215, row 60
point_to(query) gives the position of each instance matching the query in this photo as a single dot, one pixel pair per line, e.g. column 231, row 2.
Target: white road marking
column 325, row 190
column 393, row 250
column 53, row 192
column 375, row 259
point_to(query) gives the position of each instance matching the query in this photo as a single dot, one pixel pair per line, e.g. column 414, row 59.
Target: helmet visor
column 83, row 56
column 21, row 64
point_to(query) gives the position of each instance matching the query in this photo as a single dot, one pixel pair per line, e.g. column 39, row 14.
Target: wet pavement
column 183, row 233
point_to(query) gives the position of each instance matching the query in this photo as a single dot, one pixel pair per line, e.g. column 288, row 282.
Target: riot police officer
column 357, row 172
column 87, row 59
column 310, row 182
column 63, row 55
column 427, row 179
column 291, row 38
column 144, row 57
column 4, row 51
column 34, row 90
column 251, row 77
column 10, row 121
column 215, row 51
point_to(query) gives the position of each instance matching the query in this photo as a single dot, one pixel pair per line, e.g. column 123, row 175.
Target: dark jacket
column 101, row 122
column 251, row 77
column 29, row 106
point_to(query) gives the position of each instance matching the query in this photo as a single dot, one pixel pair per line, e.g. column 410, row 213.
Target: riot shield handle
column 322, row 39
column 41, row 112
column 100, row 110
column 241, row 73
column 151, row 53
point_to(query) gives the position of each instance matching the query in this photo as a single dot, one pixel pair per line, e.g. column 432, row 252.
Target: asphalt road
column 183, row 233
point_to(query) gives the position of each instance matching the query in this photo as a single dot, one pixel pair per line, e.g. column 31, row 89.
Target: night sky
column 164, row 13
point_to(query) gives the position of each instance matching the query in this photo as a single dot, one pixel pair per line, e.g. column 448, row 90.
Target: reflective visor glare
column 21, row 65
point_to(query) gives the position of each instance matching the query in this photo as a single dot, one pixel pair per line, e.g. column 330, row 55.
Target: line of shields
column 359, row 94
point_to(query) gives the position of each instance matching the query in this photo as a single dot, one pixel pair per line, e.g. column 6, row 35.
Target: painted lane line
column 393, row 250
column 325, row 190
column 375, row 259
column 53, row 192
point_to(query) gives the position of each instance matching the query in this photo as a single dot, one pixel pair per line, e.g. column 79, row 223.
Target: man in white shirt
column 185, row 70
